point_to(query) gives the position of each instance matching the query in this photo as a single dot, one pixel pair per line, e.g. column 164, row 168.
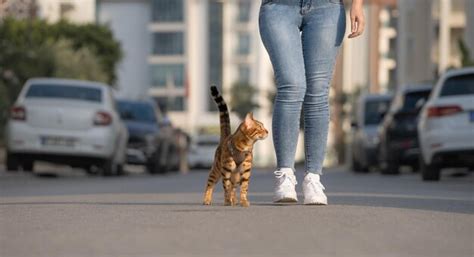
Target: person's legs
column 322, row 34
column 280, row 23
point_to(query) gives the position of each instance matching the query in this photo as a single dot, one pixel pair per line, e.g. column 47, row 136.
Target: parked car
column 369, row 111
column 66, row 121
column 202, row 151
column 446, row 126
column 152, row 141
column 397, row 133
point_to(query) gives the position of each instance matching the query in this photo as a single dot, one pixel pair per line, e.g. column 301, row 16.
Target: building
column 175, row 49
column 20, row 9
column 76, row 11
column 429, row 33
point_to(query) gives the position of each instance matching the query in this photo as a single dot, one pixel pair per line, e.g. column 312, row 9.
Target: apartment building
column 429, row 33
column 175, row 49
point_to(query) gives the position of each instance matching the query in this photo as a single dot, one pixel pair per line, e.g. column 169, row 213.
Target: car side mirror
column 420, row 103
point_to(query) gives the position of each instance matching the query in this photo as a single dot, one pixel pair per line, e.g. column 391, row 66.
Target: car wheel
column 355, row 165
column 120, row 170
column 12, row 162
column 429, row 172
column 415, row 168
column 391, row 168
column 28, row 166
column 91, row 170
column 155, row 165
column 109, row 167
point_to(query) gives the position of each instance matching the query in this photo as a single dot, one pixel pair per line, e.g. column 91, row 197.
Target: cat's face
column 254, row 128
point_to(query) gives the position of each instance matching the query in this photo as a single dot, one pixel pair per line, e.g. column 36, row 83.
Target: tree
column 466, row 60
column 31, row 34
column 242, row 99
column 79, row 64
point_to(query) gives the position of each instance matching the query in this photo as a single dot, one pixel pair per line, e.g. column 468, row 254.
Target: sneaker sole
column 286, row 200
column 315, row 204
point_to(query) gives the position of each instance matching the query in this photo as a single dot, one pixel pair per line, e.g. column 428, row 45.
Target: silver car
column 369, row 113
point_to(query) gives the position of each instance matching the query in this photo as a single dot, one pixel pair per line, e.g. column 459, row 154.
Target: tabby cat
column 233, row 157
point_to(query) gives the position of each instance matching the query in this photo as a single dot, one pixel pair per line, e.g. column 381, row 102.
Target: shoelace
column 316, row 183
column 281, row 174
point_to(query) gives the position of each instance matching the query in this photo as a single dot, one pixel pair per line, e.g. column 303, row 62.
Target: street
column 62, row 212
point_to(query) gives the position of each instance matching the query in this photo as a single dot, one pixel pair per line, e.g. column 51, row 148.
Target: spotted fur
column 233, row 156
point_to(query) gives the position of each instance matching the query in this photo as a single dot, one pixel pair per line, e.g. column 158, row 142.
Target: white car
column 446, row 125
column 66, row 121
column 201, row 154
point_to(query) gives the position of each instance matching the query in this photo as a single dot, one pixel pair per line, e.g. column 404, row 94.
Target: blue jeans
column 302, row 38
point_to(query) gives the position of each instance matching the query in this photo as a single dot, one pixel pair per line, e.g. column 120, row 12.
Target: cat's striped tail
column 223, row 112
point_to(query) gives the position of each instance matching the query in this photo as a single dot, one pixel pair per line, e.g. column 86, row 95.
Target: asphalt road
column 65, row 213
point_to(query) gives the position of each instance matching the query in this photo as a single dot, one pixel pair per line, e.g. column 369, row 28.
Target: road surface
column 61, row 212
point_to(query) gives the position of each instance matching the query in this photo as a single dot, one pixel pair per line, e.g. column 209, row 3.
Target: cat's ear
column 248, row 120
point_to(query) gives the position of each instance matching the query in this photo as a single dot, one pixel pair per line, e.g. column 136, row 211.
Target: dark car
column 146, row 134
column 398, row 132
column 369, row 114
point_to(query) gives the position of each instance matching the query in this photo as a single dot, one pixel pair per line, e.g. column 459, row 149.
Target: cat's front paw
column 229, row 202
column 207, row 202
column 244, row 203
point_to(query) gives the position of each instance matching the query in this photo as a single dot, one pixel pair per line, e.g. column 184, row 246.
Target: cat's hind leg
column 213, row 178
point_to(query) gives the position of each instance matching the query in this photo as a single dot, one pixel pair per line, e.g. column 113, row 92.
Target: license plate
column 58, row 141
column 471, row 116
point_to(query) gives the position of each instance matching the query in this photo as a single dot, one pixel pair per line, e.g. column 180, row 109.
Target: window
column 244, row 44
column 215, row 42
column 458, row 85
column 244, row 74
column 412, row 98
column 168, row 10
column 137, row 111
column 80, row 93
column 169, row 103
column 168, row 43
column 167, row 74
column 374, row 111
column 244, row 11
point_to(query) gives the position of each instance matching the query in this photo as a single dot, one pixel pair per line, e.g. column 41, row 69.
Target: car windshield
column 374, row 110
column 135, row 111
column 81, row 93
column 412, row 98
column 458, row 85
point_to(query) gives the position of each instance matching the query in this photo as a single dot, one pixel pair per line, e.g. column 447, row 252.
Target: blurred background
column 170, row 51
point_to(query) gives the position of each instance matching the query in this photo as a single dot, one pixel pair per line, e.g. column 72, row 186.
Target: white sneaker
column 313, row 190
column 285, row 186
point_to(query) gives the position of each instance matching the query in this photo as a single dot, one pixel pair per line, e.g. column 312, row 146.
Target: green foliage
column 242, row 99
column 79, row 64
column 24, row 34
column 466, row 60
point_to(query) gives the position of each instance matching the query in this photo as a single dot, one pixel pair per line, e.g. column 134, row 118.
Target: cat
column 233, row 156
